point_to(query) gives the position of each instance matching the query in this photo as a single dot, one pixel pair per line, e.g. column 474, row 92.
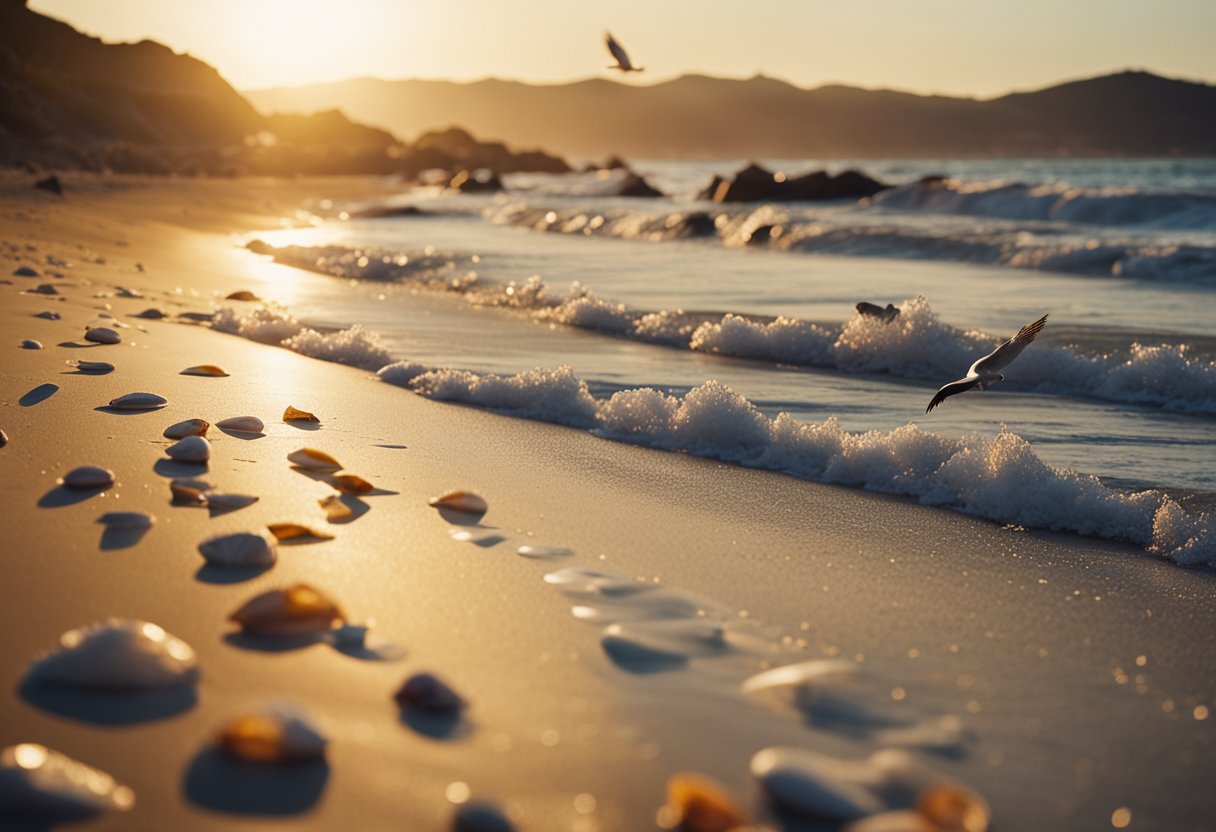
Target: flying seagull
column 620, row 55
column 986, row 371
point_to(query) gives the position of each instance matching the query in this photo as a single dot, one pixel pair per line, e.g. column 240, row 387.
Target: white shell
column 191, row 449
column 313, row 460
column 530, row 551
column 816, row 785
column 31, row 344
column 139, row 401
column 242, row 424
column 190, row 427
column 118, row 653
column 246, row 549
column 102, row 335
column 465, row 501
column 98, row 367
column 38, row 782
column 88, row 476
column 126, row 520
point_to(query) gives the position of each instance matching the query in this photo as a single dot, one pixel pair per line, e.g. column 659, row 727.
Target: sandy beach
column 1077, row 675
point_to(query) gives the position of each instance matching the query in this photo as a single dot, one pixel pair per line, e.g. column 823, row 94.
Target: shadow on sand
column 114, row 538
column 217, row 782
column 38, row 395
column 61, row 495
column 109, row 708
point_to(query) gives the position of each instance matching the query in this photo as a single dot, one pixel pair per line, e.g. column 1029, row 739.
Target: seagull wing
column 1003, row 356
column 618, row 52
column 952, row 389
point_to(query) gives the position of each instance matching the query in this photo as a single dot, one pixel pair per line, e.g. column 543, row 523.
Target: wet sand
column 1079, row 670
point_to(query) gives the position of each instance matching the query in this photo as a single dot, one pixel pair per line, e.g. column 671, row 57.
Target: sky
column 957, row 47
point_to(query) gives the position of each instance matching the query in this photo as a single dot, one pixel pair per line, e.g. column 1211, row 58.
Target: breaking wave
column 916, row 345
column 998, row 478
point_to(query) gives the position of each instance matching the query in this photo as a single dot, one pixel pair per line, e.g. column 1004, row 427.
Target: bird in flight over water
column 987, row 370
column 620, row 55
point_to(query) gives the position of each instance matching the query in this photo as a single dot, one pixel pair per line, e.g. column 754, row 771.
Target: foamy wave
column 998, row 478
column 917, row 344
column 882, row 233
column 274, row 325
column 1060, row 203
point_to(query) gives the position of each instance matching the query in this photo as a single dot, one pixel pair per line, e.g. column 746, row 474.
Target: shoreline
column 869, row 574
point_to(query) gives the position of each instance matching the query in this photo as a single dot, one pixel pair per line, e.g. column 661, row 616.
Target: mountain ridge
column 1132, row 112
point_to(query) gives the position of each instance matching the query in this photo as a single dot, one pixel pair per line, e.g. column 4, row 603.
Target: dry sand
column 1079, row 669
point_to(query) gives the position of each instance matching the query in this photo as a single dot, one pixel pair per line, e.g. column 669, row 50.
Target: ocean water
column 730, row 331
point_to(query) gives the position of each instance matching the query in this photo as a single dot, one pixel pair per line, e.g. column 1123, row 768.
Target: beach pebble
column 49, row 315
column 275, row 733
column 139, row 401
column 3, row 439
column 152, row 314
column 529, row 551
column 816, row 785
column 125, row 292
column 230, row 502
column 39, row 784
column 25, row 271
column 44, row 289
column 31, row 344
column 88, row 476
column 92, row 367
column 242, row 549
column 480, row 816
column 427, row 692
column 190, row 427
column 351, row 636
column 126, row 520
column 118, row 654
column 194, row 449
column 242, row 424
column 296, row 610
column 102, row 335
column 204, row 370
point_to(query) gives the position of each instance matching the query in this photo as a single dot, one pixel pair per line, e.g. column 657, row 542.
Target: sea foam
column 998, row 478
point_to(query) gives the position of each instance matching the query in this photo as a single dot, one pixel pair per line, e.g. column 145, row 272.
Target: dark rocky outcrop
column 480, row 181
column 462, row 151
column 52, row 184
column 757, row 184
column 635, row 185
column 711, row 189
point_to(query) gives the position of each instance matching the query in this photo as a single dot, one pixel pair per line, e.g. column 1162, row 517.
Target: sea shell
column 31, row 344
column 25, row 271
column 243, row 549
column 126, row 520
column 43, row 289
column 953, row 807
column 229, row 502
column 118, row 654
column 296, row 610
column 480, row 816
column 36, row 782
column 313, row 460
column 427, row 692
column 102, row 335
column 241, row 294
column 95, row 367
column 203, row 370
column 242, row 424
column 277, row 733
column 816, row 785
column 530, row 551
column 188, row 493
column 190, row 427
column 350, row 484
column 49, row 315
column 151, row 314
column 139, row 401
column 335, row 509
column 289, row 531
column 3, row 439
column 88, row 476
column 696, row 803
column 195, row 449
column 291, row 414
column 465, row 501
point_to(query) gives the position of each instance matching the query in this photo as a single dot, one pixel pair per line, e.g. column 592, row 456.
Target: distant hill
column 1129, row 113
